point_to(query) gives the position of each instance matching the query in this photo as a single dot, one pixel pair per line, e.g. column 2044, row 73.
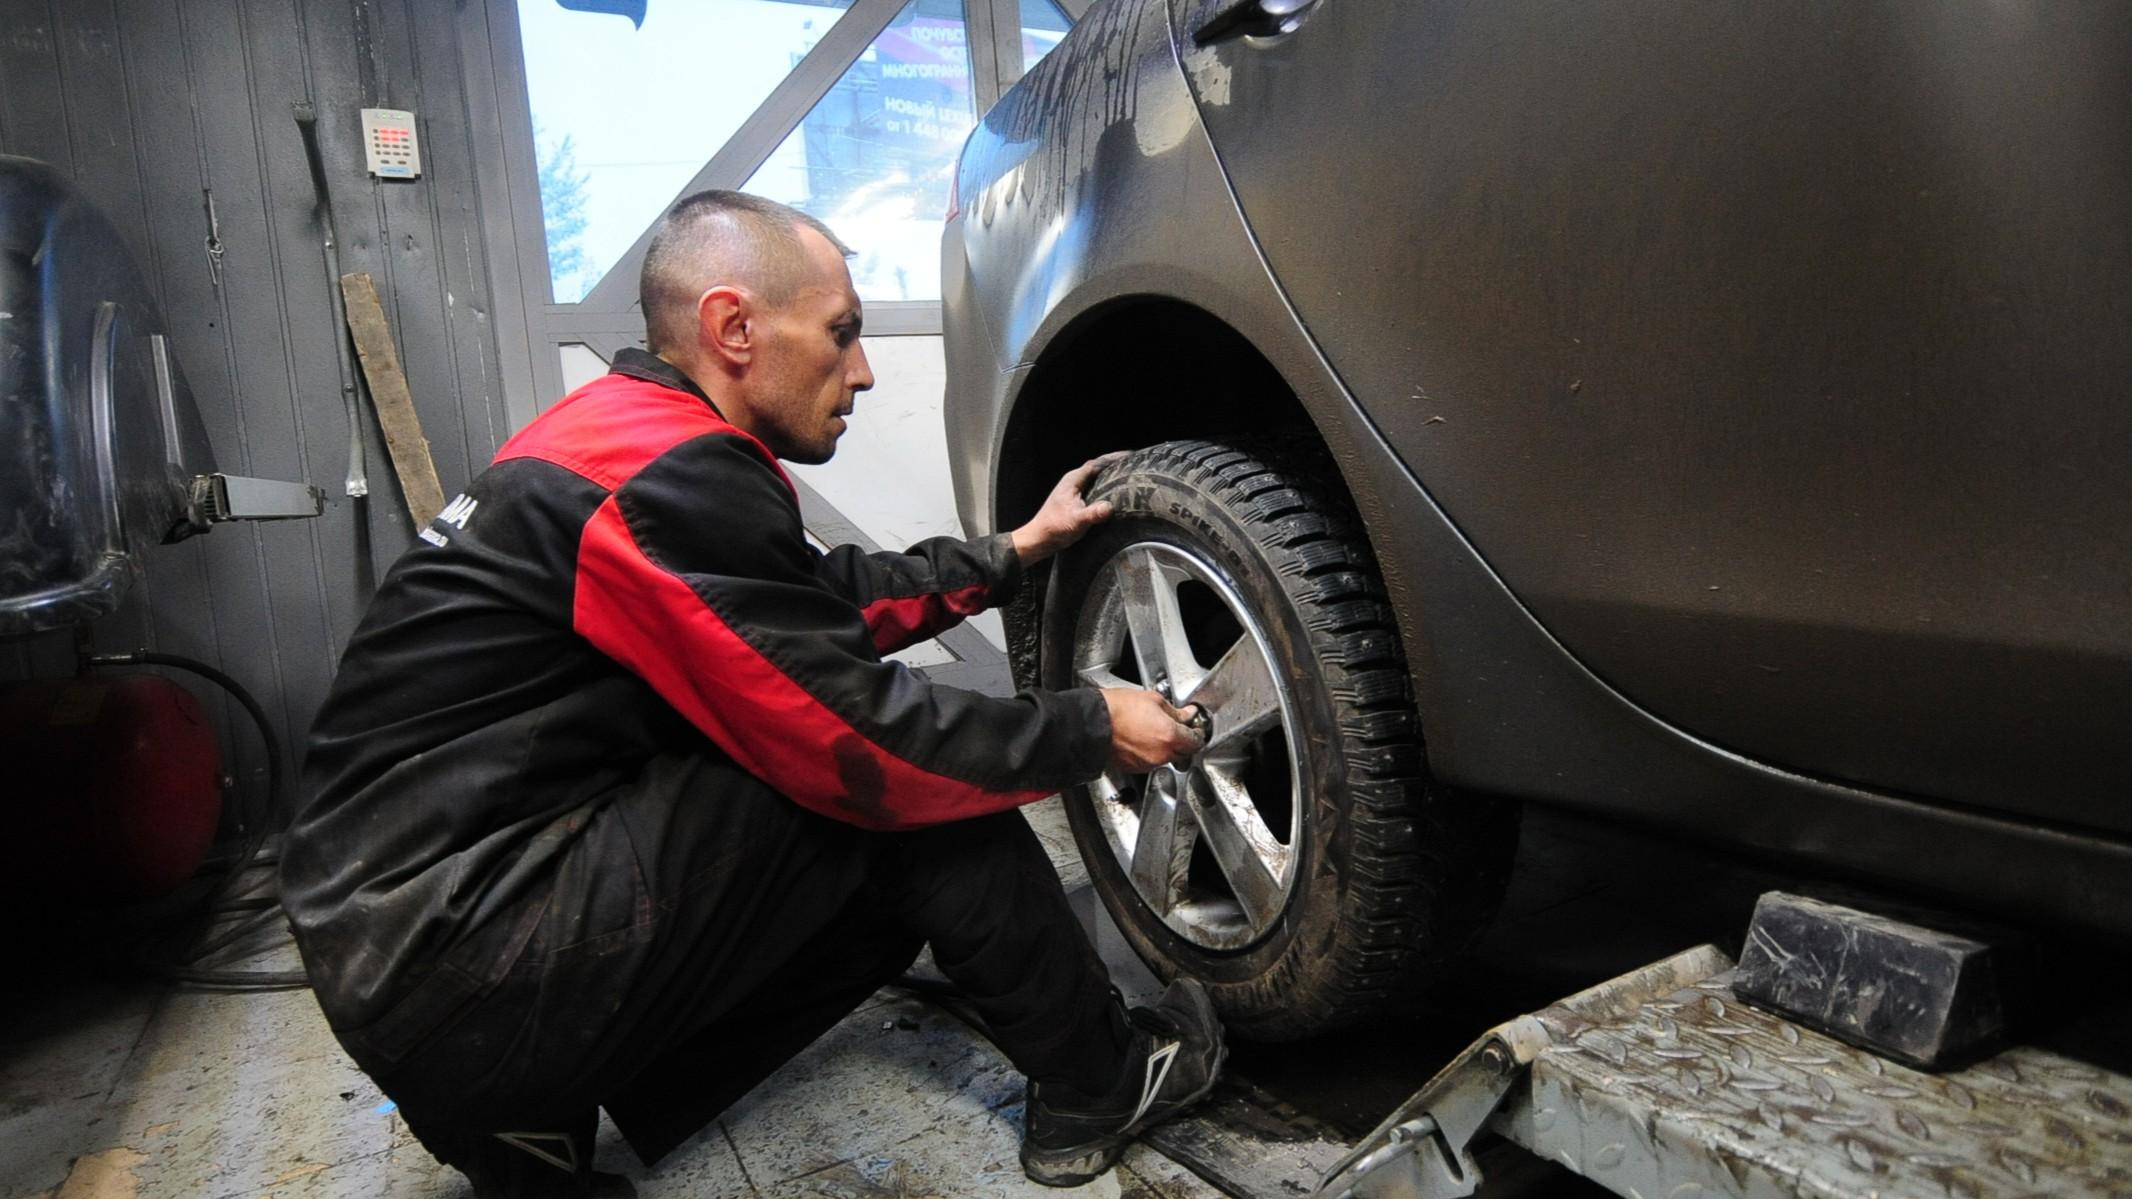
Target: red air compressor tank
column 110, row 786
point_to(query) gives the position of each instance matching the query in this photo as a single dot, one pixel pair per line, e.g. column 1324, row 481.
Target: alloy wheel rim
column 1210, row 846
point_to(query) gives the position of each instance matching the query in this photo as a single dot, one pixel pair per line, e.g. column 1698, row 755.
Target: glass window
column 631, row 99
column 1043, row 25
column 872, row 159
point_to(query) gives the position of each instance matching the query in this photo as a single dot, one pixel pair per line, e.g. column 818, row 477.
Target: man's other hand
column 1145, row 731
column 1066, row 514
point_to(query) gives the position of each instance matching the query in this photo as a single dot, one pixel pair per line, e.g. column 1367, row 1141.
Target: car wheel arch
column 1073, row 404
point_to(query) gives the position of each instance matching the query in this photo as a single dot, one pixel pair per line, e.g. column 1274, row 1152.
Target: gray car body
column 1734, row 398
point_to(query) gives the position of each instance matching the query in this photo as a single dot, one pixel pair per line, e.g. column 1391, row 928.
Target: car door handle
column 1249, row 18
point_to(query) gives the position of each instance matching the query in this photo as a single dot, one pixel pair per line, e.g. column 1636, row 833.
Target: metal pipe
column 358, row 472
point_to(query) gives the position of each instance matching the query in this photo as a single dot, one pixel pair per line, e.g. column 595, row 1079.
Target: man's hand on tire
column 1066, row 514
column 1146, row 732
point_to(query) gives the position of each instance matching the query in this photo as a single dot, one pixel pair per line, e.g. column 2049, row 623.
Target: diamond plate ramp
column 1695, row 1094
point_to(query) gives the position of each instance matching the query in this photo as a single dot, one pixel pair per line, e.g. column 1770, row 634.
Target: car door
column 1774, row 356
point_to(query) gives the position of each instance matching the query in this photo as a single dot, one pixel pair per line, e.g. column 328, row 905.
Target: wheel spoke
column 1131, row 630
column 1150, row 596
column 1101, row 675
column 1242, row 846
column 1108, row 786
column 1155, row 845
column 1239, row 692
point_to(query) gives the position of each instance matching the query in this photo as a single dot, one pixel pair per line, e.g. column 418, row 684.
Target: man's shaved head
column 722, row 237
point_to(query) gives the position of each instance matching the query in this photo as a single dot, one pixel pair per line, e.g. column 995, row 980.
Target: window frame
column 606, row 319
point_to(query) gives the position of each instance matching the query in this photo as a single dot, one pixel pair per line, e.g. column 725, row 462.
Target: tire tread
column 1424, row 864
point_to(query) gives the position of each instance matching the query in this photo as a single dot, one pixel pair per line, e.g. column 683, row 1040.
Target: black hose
column 224, row 898
column 142, row 657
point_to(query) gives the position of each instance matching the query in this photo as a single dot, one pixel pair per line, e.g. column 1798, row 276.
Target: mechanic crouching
column 613, row 802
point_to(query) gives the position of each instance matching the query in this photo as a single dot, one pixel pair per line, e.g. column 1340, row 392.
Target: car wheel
column 1303, row 866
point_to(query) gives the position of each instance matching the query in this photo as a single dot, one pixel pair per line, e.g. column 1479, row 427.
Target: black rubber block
column 1922, row 996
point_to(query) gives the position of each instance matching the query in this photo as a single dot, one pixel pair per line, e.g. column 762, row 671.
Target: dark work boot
column 1070, row 1137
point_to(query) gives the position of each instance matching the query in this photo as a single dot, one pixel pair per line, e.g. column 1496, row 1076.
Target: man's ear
column 724, row 317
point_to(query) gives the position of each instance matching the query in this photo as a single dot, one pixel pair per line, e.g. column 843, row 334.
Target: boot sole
column 1073, row 1167
column 1083, row 1164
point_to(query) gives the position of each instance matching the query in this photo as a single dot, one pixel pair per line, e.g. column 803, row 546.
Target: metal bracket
column 221, row 497
column 1421, row 1150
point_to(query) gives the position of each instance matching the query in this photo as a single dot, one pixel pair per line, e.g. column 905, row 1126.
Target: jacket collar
column 642, row 364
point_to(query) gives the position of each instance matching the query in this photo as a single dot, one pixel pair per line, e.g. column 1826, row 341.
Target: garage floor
column 131, row 1089
column 116, row 1089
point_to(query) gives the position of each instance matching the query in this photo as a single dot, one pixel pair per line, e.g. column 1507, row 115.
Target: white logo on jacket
column 455, row 514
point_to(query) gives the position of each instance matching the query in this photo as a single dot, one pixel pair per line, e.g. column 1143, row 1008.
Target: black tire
column 1391, row 874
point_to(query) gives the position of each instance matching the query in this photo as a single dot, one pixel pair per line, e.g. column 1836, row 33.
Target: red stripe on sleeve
column 896, row 623
column 654, row 624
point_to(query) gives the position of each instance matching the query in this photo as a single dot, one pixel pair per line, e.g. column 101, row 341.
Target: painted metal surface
column 1423, row 1150
column 1662, row 1083
column 1772, row 357
column 1698, row 1094
column 1093, row 187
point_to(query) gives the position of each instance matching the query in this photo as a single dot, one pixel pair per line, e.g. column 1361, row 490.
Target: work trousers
column 702, row 929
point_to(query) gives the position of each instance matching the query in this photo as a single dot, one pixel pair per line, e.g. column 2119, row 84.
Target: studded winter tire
column 1304, row 866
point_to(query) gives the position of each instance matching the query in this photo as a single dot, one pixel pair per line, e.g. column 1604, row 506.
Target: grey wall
column 152, row 105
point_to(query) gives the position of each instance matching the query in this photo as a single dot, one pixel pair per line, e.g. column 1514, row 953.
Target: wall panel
column 156, row 108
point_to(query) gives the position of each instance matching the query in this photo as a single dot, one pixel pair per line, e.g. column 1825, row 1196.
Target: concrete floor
column 198, row 1094
column 134, row 1090
column 125, row 1091
column 140, row 1091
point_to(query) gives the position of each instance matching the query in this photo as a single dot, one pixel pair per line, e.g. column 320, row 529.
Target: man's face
column 810, row 363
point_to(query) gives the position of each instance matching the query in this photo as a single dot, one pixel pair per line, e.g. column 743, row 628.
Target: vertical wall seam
column 322, row 586
column 446, row 301
column 231, row 368
column 207, row 184
column 281, row 296
column 475, row 232
column 154, row 266
column 59, row 72
column 194, row 553
column 140, row 170
column 507, row 68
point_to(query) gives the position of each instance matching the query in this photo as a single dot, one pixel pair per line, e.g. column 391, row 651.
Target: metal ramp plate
column 1696, row 1094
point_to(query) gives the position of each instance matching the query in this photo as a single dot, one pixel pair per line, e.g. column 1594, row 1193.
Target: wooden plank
column 341, row 72
column 395, row 404
column 30, row 93
column 412, row 232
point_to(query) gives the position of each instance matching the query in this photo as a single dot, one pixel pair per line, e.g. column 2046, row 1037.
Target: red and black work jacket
column 629, row 579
